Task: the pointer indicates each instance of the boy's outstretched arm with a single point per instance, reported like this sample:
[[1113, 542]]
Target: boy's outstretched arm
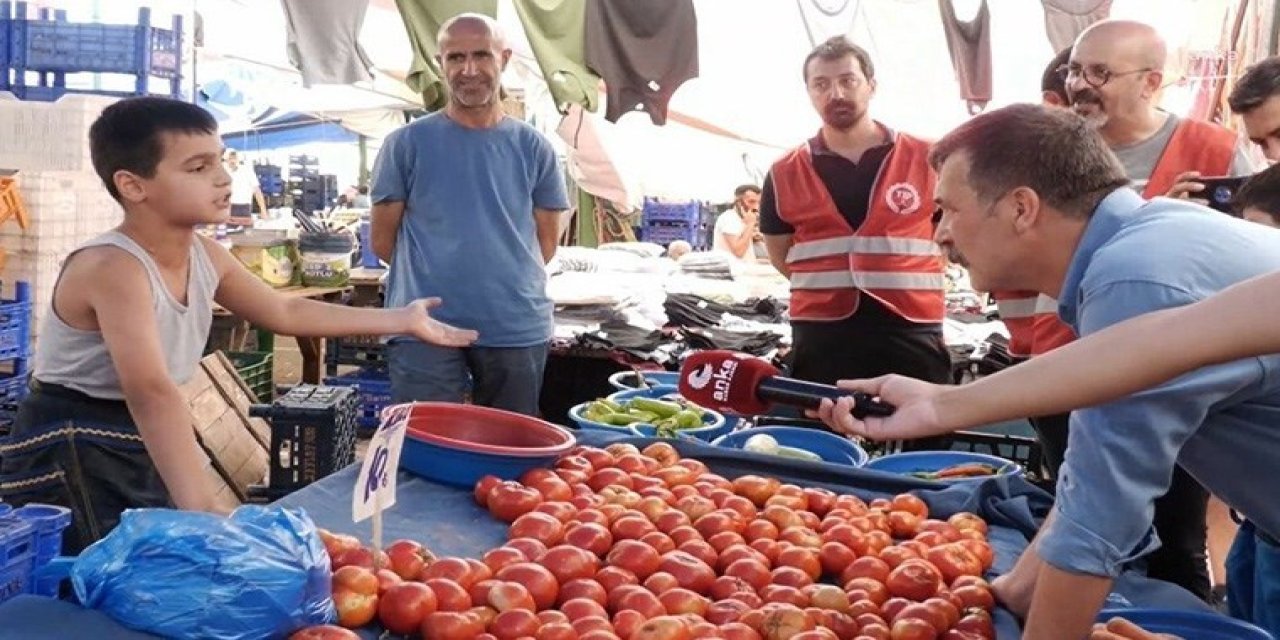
[[122, 304], [248, 297]]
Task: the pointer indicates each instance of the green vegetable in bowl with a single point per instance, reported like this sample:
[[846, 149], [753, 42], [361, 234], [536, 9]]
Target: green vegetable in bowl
[[668, 417]]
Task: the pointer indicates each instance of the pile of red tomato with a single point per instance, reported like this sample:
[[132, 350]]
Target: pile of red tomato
[[624, 544]]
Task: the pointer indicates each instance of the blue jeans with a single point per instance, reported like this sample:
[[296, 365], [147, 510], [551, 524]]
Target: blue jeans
[[502, 378], [1253, 579]]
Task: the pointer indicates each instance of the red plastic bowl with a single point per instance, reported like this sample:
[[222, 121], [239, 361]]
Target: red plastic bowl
[[484, 430]]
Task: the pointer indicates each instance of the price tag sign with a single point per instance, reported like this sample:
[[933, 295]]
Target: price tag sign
[[375, 488]]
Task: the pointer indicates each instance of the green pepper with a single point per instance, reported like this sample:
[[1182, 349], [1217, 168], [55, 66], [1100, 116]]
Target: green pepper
[[687, 419], [644, 416], [612, 404], [621, 419], [660, 408]]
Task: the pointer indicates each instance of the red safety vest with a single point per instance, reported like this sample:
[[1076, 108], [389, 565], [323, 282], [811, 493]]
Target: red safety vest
[[891, 256], [1032, 320], [1195, 146]]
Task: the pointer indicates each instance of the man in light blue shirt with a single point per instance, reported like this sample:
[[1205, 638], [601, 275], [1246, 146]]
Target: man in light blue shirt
[[466, 208], [1033, 200]]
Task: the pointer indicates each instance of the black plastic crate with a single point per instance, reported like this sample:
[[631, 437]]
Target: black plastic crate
[[360, 351], [313, 434]]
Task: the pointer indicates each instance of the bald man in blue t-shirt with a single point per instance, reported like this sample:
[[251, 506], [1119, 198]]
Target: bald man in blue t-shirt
[[466, 207]]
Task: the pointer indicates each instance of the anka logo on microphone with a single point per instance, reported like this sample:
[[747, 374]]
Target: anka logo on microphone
[[719, 378]]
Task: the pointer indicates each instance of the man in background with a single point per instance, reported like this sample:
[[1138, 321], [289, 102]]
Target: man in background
[[1256, 99], [737, 227], [848, 217], [245, 191], [1114, 79], [467, 206]]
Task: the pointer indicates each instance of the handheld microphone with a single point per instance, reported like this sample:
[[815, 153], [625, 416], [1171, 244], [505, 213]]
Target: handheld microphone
[[735, 382]]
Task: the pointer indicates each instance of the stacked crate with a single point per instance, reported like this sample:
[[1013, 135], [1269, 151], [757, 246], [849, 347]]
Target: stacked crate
[[47, 144], [311, 190], [15, 352], [665, 222], [44, 49]]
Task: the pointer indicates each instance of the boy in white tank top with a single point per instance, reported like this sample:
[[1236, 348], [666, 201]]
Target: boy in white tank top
[[105, 427]]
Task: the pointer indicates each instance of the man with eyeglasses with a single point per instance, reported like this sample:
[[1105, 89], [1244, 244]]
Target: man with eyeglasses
[[848, 217], [1256, 99], [1113, 79]]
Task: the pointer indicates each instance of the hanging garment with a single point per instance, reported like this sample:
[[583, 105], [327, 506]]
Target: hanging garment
[[644, 50], [825, 19], [557, 33], [422, 19], [970, 46], [1065, 19], [324, 40]]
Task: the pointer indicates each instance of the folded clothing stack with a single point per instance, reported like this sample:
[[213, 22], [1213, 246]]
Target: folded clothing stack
[[707, 264]]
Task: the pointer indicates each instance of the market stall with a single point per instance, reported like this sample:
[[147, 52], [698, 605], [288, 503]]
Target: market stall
[[448, 521]]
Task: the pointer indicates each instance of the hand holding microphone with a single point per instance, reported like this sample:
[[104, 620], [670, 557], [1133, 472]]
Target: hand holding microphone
[[728, 381]]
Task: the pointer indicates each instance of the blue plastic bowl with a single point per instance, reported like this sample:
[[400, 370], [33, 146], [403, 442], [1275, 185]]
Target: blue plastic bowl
[[458, 444], [831, 447], [907, 463], [5, 509], [625, 380], [1188, 624], [714, 422]]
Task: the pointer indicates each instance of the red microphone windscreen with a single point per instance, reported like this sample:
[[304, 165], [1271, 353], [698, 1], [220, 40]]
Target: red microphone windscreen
[[725, 381]]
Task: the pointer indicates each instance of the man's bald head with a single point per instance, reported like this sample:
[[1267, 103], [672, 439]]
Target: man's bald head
[[473, 23], [1124, 42]]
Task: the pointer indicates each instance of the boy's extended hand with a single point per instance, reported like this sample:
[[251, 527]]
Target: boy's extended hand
[[432, 331]]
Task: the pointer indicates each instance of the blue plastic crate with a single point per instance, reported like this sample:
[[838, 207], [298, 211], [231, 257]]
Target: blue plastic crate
[[15, 324], [687, 213], [48, 522], [17, 557], [666, 233], [374, 387], [55, 47]]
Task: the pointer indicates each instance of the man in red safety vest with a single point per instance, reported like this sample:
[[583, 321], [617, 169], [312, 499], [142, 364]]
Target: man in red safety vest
[[848, 217]]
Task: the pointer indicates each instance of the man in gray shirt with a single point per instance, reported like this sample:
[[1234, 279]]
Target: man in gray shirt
[[1114, 76]]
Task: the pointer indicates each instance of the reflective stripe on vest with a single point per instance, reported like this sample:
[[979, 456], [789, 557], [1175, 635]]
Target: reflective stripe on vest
[[866, 280], [882, 245], [1026, 307]]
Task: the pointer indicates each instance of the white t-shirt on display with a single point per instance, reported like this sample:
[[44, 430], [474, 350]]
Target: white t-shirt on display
[[730, 223], [243, 183]]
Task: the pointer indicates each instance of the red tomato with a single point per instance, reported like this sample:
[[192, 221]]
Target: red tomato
[[540, 582], [638, 558], [509, 500], [914, 579], [954, 560], [567, 563], [324, 632], [451, 625], [543, 527]]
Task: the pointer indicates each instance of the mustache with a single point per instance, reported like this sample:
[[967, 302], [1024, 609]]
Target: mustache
[[840, 104], [1086, 96]]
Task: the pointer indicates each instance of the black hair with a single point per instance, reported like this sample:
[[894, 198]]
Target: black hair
[[839, 47], [1259, 82], [1050, 150], [1054, 77], [745, 189], [1261, 192], [128, 135]]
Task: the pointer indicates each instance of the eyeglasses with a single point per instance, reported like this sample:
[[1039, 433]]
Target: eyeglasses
[[1095, 75]]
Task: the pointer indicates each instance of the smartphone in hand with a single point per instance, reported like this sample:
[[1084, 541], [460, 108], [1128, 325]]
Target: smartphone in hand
[[1219, 191]]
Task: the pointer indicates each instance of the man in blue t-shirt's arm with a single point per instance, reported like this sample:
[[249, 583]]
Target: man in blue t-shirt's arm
[[466, 207]]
